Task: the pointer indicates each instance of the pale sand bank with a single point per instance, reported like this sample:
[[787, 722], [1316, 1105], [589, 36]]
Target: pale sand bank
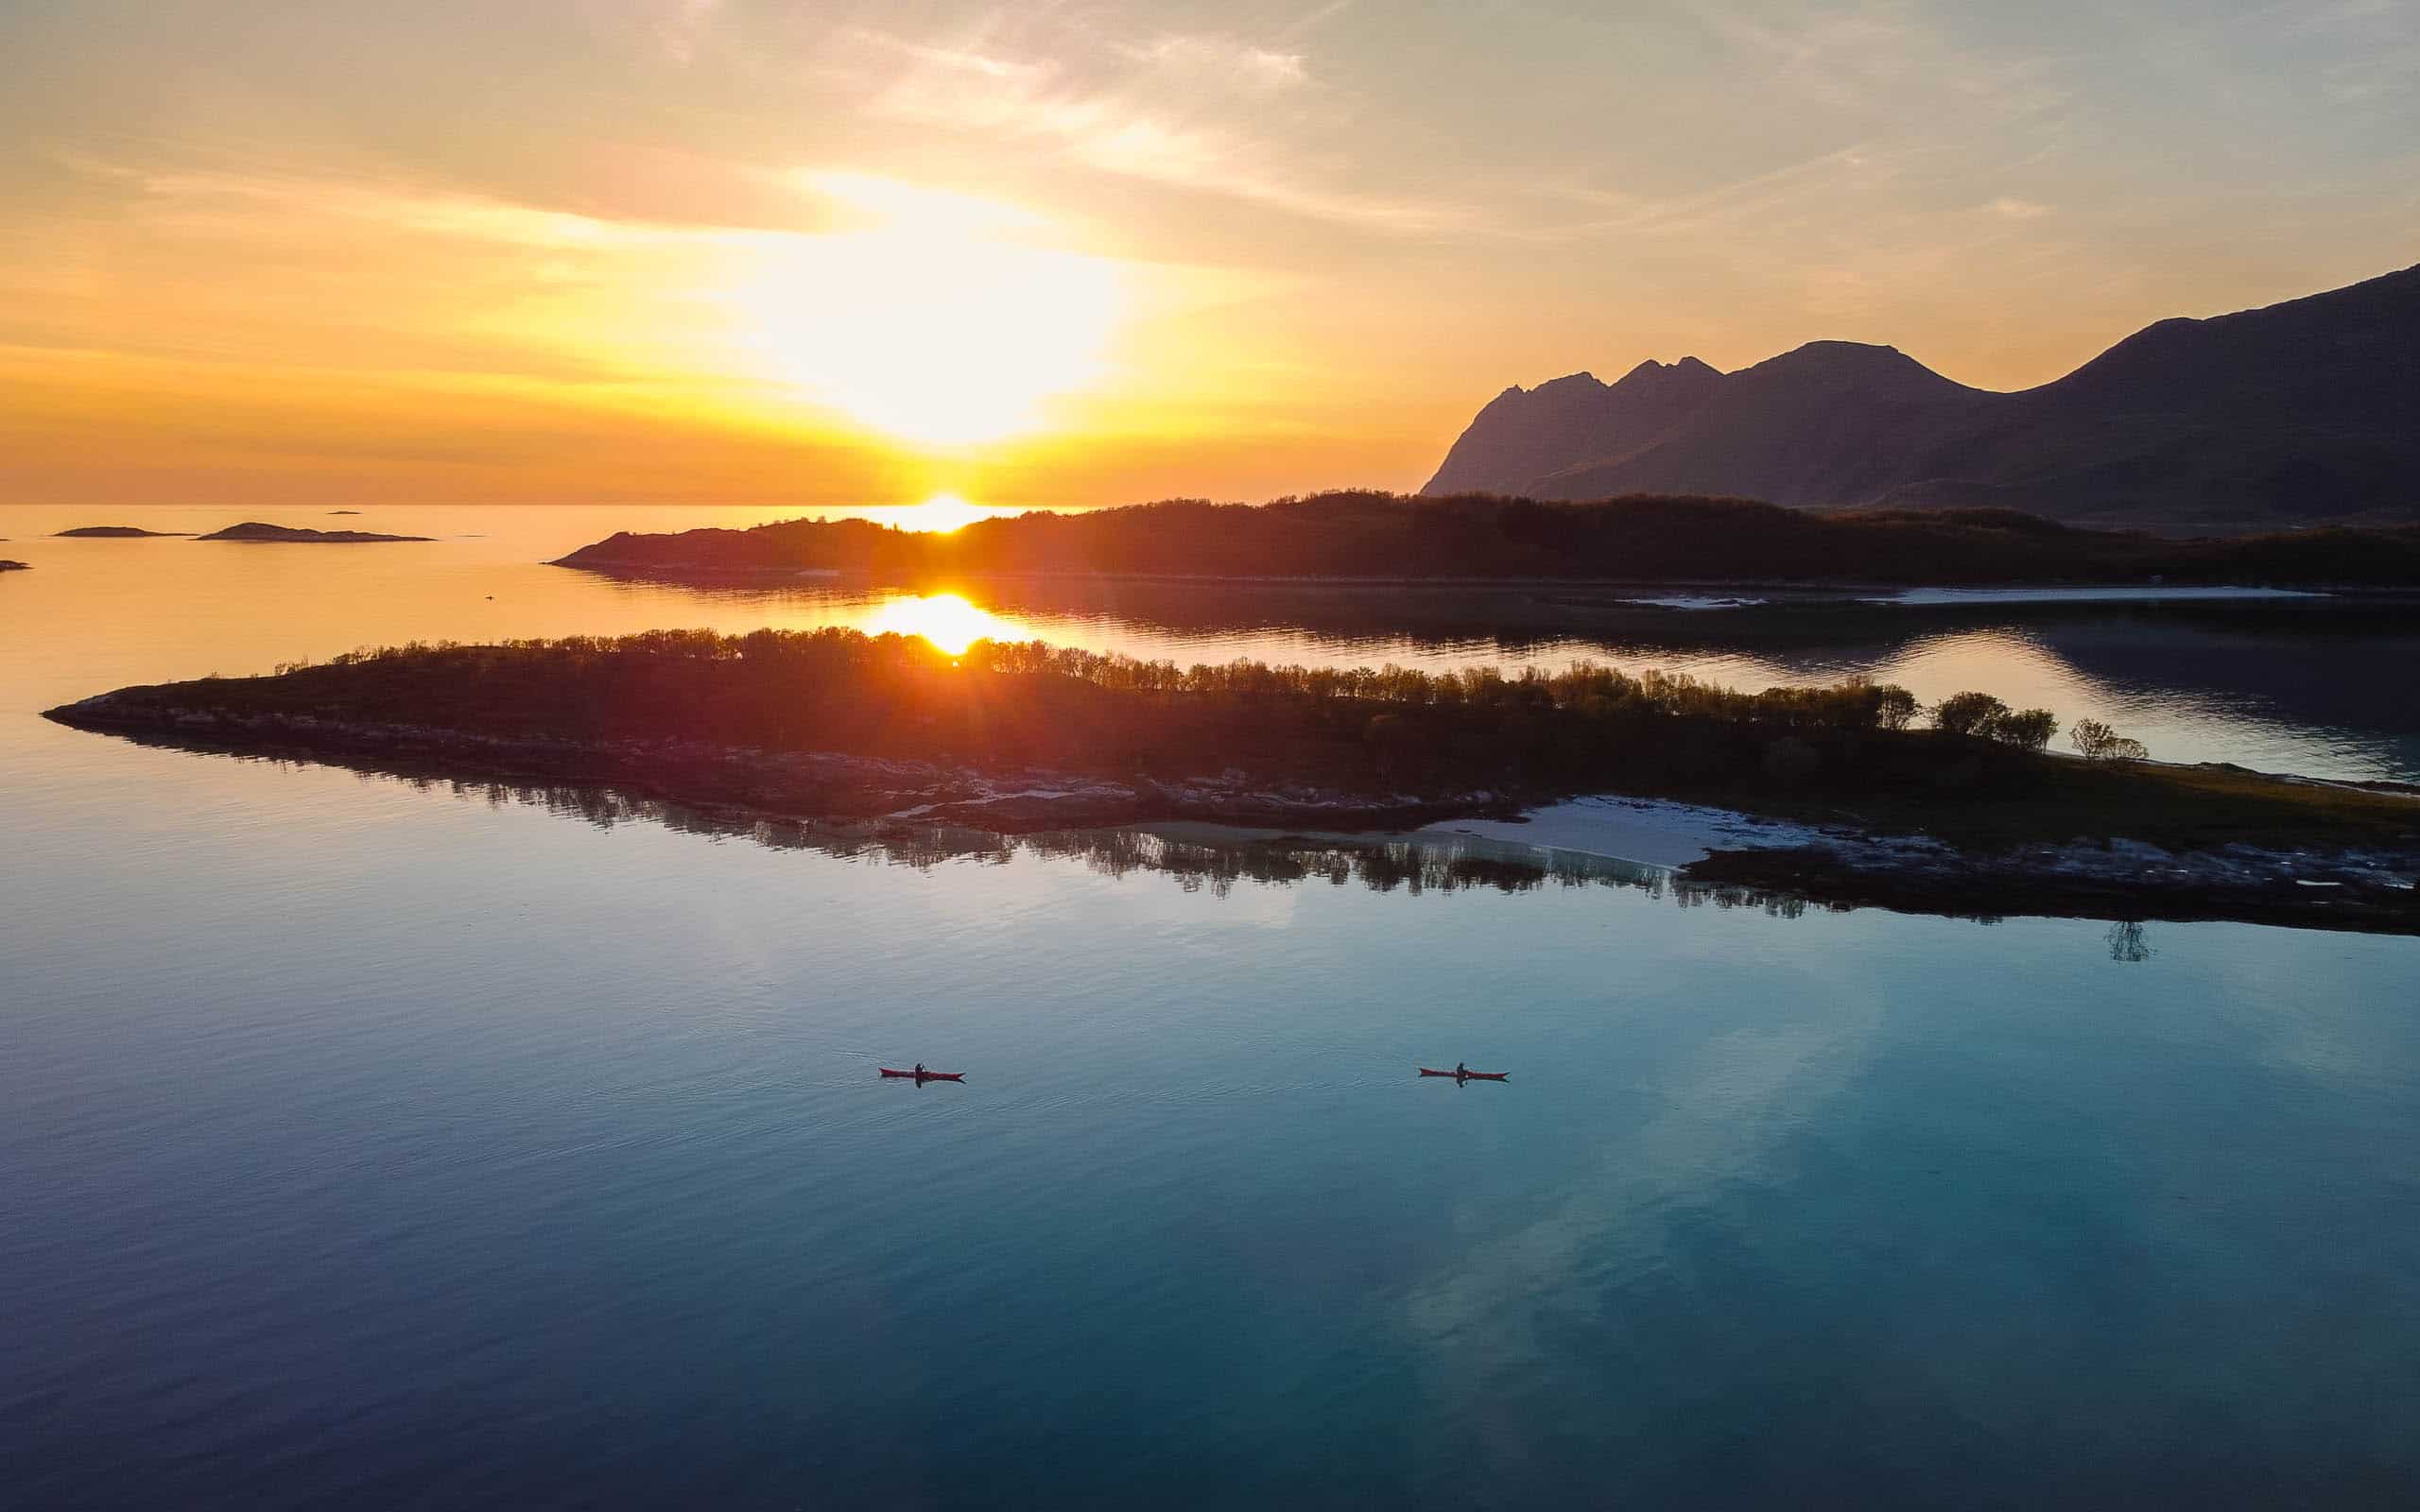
[[1649, 831]]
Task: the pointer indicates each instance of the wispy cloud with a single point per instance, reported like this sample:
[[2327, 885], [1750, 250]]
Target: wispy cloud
[[1754, 198], [1884, 60], [678, 23], [1222, 58], [1188, 111], [238, 201], [2008, 208]]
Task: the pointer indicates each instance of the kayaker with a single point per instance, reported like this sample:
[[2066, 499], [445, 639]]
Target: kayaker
[[1461, 1071], [920, 1069]]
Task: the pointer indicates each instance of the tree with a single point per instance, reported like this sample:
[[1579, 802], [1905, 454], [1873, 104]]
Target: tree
[[1969, 713], [2097, 742], [2031, 729], [1894, 706]]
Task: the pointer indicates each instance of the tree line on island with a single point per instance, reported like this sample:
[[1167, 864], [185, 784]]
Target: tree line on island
[[1366, 534], [1974, 771]]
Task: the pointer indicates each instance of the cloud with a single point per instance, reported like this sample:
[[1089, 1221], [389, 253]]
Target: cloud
[[678, 23], [1753, 198], [235, 201], [1217, 58], [2008, 208], [1881, 60], [1171, 110]]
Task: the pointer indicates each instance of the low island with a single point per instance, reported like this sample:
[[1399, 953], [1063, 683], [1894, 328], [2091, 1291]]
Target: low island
[[1645, 539], [1865, 797], [119, 533], [12, 566], [253, 530]]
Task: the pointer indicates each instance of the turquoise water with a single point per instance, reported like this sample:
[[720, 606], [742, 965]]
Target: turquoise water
[[364, 1144]]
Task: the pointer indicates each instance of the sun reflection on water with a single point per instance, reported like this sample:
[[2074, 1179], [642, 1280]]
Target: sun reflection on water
[[947, 620]]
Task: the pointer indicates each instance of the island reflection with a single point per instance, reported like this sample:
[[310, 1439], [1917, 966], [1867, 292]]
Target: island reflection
[[1198, 857], [2282, 685]]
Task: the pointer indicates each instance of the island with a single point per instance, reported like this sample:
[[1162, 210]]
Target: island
[[344, 512], [117, 533], [1859, 795], [1646, 539], [12, 566], [253, 530]]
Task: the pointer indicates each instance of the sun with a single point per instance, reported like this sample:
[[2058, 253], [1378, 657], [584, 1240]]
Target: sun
[[941, 514], [930, 324]]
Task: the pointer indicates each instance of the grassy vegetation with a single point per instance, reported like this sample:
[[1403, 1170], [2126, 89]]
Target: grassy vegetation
[[1483, 536], [1841, 753]]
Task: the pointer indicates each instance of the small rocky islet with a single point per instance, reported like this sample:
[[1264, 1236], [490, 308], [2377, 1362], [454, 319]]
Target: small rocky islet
[[255, 531], [251, 530]]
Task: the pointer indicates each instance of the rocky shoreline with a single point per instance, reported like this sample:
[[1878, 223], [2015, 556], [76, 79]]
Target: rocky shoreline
[[792, 784], [2369, 890]]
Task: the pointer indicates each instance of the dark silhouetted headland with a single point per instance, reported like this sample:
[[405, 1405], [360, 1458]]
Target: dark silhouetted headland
[[12, 567], [255, 531], [1368, 535], [2298, 414], [834, 724], [116, 532]]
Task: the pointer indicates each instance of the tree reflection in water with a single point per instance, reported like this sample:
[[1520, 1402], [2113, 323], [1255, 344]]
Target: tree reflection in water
[[1197, 856], [2126, 941]]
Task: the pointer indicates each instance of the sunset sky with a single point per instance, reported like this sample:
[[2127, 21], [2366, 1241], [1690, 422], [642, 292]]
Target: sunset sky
[[767, 252]]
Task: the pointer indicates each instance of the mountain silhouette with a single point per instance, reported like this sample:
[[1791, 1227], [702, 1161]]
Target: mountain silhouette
[[2301, 413]]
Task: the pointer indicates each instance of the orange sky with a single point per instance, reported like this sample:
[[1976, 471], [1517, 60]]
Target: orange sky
[[756, 252]]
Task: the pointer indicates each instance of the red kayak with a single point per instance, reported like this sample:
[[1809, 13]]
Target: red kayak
[[925, 1076], [1467, 1075]]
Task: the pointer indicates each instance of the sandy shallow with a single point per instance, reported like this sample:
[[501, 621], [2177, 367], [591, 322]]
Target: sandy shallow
[[1650, 832]]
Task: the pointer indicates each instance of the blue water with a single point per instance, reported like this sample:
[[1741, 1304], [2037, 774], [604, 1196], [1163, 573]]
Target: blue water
[[366, 1144]]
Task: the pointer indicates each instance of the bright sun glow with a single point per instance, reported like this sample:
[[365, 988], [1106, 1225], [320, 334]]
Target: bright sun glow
[[943, 512], [931, 325], [945, 619]]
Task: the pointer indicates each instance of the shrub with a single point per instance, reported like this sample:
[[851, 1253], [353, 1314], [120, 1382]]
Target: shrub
[[2031, 729], [2097, 742], [1969, 713]]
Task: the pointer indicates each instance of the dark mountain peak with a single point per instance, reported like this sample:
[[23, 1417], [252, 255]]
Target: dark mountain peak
[[2296, 413], [1574, 418], [1688, 371], [1855, 362], [1571, 383]]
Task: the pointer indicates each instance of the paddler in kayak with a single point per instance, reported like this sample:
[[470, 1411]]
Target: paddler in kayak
[[920, 1070], [1462, 1073]]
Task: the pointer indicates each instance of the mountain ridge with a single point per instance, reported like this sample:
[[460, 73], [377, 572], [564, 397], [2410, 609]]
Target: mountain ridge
[[2297, 413]]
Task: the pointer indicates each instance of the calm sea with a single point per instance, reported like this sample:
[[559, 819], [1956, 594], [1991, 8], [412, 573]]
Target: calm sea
[[366, 1145]]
